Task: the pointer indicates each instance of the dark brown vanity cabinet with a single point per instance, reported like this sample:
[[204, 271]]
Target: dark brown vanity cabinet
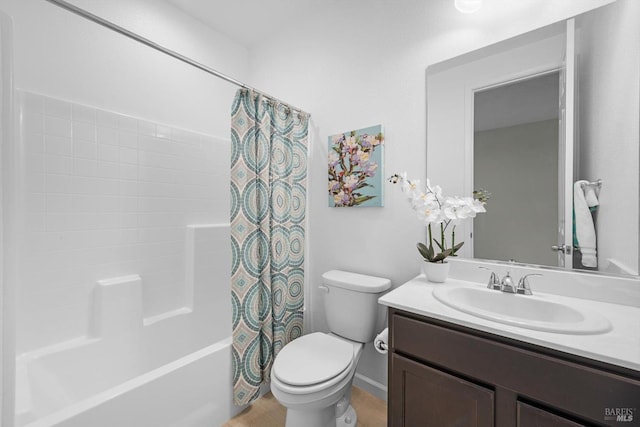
[[445, 375], [436, 398]]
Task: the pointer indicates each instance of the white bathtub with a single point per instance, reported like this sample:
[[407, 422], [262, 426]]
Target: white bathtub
[[192, 391], [170, 370]]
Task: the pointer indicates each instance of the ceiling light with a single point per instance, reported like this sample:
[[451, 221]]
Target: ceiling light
[[468, 6]]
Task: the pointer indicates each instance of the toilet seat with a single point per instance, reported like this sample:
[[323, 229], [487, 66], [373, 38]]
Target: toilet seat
[[313, 359]]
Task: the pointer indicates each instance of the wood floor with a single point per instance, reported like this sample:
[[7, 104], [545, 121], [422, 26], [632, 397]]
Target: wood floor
[[267, 412]]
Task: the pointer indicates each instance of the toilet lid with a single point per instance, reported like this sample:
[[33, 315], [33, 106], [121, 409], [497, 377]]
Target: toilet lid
[[312, 359]]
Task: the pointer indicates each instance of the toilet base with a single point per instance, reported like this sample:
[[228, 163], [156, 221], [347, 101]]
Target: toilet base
[[322, 418], [348, 419], [325, 417]]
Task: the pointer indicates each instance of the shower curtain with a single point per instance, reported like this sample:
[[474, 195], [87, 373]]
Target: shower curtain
[[268, 201]]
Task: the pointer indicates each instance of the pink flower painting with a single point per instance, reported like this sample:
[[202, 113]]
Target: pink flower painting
[[355, 168]]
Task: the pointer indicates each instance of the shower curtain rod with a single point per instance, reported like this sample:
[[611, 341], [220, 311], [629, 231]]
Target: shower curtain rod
[[118, 29]]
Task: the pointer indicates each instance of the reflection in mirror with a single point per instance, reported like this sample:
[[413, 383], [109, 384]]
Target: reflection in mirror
[[515, 149], [477, 107]]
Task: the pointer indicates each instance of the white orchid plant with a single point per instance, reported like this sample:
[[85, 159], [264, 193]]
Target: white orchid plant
[[432, 208]]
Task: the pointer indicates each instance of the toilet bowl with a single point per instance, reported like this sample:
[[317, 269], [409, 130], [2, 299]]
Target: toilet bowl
[[312, 375], [312, 378]]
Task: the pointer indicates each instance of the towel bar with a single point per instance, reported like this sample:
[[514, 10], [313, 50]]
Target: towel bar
[[596, 183]]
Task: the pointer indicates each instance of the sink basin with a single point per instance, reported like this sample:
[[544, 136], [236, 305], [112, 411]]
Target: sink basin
[[525, 311]]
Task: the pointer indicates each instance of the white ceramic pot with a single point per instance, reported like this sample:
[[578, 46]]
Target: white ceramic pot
[[436, 272]]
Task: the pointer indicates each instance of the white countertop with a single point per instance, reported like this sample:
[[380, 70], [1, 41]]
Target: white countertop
[[620, 346]]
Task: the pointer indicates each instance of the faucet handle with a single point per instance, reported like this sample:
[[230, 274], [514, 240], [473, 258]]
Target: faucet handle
[[493, 283], [523, 284]]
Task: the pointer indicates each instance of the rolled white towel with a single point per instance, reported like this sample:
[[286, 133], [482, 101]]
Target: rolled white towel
[[381, 343], [585, 229], [590, 196]]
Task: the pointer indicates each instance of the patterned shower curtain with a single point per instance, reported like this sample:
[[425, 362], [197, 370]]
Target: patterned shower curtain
[[268, 201]]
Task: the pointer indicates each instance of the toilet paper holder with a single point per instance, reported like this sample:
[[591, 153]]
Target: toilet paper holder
[[381, 342]]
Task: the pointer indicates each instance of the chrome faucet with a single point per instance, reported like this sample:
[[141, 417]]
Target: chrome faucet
[[506, 284], [523, 284]]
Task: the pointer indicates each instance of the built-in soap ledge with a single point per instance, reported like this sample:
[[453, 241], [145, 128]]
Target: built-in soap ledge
[[117, 306], [166, 315]]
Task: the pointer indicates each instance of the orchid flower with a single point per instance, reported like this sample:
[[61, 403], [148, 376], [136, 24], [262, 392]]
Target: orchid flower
[[432, 207]]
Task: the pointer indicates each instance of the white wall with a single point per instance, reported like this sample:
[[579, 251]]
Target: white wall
[[116, 161], [608, 130], [359, 63], [62, 55]]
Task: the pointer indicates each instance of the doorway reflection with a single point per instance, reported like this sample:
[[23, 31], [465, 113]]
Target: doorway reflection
[[516, 155]]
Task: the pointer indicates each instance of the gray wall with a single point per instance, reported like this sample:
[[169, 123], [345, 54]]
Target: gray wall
[[608, 67], [518, 165]]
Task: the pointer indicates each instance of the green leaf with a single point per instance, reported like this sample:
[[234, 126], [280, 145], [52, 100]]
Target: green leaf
[[424, 251], [362, 185], [454, 250], [442, 255], [363, 199]]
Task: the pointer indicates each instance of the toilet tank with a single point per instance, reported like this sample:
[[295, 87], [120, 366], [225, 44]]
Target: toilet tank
[[351, 303]]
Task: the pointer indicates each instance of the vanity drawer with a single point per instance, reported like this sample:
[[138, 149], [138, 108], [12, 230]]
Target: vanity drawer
[[574, 389], [530, 416]]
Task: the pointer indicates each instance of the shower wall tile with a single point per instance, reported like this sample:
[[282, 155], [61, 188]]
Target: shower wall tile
[[83, 130], [34, 142], [55, 183], [86, 150], [108, 153], [84, 167], [57, 145], [128, 139], [33, 122], [108, 169], [55, 126], [82, 114], [107, 195], [56, 108], [54, 163], [107, 118], [107, 136]]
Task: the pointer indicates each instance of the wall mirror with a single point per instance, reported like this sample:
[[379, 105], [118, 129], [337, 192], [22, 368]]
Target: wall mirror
[[535, 120]]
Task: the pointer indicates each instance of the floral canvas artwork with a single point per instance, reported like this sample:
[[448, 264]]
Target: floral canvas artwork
[[355, 168]]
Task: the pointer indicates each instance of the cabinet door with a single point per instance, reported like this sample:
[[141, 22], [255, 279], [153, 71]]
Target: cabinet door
[[426, 397], [530, 416]]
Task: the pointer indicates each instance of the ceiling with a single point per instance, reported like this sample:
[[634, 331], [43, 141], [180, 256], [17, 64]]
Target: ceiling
[[249, 22], [218, 14]]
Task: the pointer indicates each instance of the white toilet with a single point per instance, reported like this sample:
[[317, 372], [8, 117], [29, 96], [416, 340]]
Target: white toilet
[[312, 375]]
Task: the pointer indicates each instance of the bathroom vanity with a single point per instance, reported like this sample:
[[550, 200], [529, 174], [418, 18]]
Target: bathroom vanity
[[451, 368]]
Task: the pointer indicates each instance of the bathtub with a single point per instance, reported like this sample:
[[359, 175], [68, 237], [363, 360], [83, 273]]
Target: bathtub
[[171, 370], [192, 391]]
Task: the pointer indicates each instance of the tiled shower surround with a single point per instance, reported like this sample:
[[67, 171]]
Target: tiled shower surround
[[107, 195]]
